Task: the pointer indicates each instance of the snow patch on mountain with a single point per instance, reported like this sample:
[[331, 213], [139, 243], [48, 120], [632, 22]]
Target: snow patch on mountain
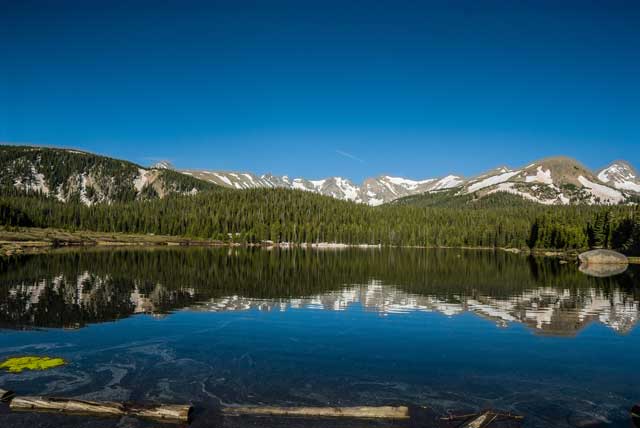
[[541, 176], [346, 188], [492, 180], [602, 193], [560, 199], [141, 180], [223, 179], [406, 183], [163, 164], [448, 182]]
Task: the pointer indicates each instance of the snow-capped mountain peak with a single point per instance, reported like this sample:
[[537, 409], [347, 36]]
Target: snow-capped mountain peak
[[163, 164], [550, 181], [373, 191], [620, 175]]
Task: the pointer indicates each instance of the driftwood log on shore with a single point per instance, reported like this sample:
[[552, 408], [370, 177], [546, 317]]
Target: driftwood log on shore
[[166, 413], [383, 412]]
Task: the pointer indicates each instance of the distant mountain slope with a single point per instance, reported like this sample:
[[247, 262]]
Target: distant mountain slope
[[71, 174], [551, 181], [75, 175], [374, 191]]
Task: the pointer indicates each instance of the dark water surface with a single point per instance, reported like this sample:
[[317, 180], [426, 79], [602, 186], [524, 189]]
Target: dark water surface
[[449, 329]]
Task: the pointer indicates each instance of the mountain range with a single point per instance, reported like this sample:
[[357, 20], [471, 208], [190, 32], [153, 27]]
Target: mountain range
[[550, 181], [76, 175]]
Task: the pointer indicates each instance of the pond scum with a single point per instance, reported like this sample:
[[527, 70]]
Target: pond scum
[[18, 364]]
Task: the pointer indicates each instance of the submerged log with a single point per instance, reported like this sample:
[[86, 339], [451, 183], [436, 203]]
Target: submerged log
[[384, 412], [165, 413], [6, 395], [481, 421], [65, 405]]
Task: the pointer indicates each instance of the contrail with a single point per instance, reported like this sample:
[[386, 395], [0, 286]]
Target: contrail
[[349, 155]]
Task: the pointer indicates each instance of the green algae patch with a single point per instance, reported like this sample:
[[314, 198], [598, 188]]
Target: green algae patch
[[18, 364]]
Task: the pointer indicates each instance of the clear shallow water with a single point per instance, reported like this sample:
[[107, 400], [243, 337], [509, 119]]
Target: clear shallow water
[[452, 330]]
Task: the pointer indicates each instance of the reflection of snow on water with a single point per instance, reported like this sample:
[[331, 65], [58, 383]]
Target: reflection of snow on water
[[549, 310], [545, 309], [234, 349]]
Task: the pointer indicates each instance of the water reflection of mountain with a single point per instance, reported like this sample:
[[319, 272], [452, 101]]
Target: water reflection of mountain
[[547, 310], [75, 288]]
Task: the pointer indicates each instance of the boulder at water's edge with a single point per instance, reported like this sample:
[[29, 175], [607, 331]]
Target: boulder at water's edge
[[603, 263], [606, 257]]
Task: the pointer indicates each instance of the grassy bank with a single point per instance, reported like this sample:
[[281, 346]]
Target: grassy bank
[[29, 240], [37, 240]]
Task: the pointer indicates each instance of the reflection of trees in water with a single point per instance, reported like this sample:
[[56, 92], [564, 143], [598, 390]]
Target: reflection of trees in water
[[74, 288]]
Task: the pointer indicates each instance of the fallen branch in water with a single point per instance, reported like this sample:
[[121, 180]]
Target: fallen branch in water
[[166, 413], [6, 395], [482, 420], [384, 412]]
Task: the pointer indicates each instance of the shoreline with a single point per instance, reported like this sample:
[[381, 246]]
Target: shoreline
[[15, 241]]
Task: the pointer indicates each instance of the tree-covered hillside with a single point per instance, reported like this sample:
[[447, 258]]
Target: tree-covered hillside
[[71, 175], [282, 215]]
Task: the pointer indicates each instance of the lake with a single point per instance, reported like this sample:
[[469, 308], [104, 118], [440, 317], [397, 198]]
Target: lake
[[454, 330]]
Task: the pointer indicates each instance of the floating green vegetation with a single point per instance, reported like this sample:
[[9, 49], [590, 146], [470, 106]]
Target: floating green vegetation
[[18, 364]]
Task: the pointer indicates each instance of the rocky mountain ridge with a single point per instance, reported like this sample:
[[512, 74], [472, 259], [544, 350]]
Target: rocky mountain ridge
[[373, 191], [550, 181], [76, 175]]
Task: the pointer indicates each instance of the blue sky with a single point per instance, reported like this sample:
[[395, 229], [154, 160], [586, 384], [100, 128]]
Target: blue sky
[[355, 88]]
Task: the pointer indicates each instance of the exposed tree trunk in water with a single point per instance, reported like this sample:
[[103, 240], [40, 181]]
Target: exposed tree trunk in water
[[166, 413], [384, 412], [481, 421], [6, 395], [635, 415], [64, 405]]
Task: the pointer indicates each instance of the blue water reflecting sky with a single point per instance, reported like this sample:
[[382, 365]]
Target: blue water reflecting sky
[[354, 356]]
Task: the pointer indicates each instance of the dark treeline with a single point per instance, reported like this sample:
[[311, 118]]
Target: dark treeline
[[280, 215], [79, 287]]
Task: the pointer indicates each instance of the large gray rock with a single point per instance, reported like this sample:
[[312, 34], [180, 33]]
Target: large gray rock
[[603, 257], [603, 263]]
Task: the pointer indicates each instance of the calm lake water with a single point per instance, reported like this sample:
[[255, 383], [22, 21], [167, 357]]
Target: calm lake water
[[449, 329]]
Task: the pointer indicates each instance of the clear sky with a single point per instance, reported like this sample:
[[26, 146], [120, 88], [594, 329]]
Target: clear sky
[[306, 88]]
